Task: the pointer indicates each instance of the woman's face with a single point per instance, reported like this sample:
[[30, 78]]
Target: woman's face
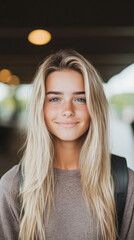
[[63, 105]]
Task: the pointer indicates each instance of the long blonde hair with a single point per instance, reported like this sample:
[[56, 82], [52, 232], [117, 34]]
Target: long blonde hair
[[94, 161]]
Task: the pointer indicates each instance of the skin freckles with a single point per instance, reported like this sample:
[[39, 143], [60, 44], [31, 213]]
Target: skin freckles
[[66, 107]]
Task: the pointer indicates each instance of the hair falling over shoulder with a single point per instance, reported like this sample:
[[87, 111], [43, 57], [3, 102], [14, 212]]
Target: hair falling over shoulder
[[94, 161]]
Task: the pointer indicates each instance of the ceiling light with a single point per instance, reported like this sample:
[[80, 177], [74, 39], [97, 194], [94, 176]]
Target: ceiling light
[[13, 80], [4, 75], [39, 37]]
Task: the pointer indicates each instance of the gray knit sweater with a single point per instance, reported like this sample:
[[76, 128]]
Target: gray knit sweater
[[70, 220]]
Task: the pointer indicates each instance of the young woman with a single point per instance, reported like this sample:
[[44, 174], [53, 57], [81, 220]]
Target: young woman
[[68, 190]]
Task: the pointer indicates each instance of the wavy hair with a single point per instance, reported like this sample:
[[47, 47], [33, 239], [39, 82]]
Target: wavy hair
[[94, 161]]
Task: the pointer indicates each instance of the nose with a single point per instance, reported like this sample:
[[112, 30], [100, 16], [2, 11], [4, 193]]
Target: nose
[[68, 114], [68, 110]]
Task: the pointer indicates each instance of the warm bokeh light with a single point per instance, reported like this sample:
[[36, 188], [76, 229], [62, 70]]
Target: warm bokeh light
[[39, 37], [13, 80], [4, 75]]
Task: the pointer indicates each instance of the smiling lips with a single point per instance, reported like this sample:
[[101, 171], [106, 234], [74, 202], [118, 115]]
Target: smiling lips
[[68, 125]]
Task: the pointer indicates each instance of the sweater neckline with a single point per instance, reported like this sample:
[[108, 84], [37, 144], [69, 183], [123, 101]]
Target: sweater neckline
[[67, 172]]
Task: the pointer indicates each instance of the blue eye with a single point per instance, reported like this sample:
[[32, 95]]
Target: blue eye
[[53, 99], [83, 100]]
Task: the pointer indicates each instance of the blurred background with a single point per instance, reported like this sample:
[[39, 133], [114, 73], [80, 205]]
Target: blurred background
[[103, 31]]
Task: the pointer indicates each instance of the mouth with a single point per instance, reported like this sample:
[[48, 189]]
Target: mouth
[[67, 125]]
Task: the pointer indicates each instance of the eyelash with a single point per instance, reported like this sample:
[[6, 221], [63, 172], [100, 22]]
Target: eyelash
[[58, 98]]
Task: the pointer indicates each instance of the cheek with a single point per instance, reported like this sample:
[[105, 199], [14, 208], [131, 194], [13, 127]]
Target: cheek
[[84, 114], [49, 113]]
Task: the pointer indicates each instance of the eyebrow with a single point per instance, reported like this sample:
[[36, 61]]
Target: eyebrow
[[61, 93]]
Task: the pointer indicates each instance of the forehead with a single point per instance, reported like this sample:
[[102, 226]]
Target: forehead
[[67, 80]]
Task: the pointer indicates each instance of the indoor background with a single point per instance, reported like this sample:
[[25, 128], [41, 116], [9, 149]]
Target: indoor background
[[103, 31]]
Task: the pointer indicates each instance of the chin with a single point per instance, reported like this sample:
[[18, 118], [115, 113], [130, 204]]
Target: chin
[[68, 138]]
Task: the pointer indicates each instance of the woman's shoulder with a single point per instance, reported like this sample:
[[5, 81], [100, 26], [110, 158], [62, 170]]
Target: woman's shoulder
[[131, 172], [130, 181], [127, 230], [10, 180], [9, 204]]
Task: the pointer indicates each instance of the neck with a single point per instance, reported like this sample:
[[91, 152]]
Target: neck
[[67, 154]]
